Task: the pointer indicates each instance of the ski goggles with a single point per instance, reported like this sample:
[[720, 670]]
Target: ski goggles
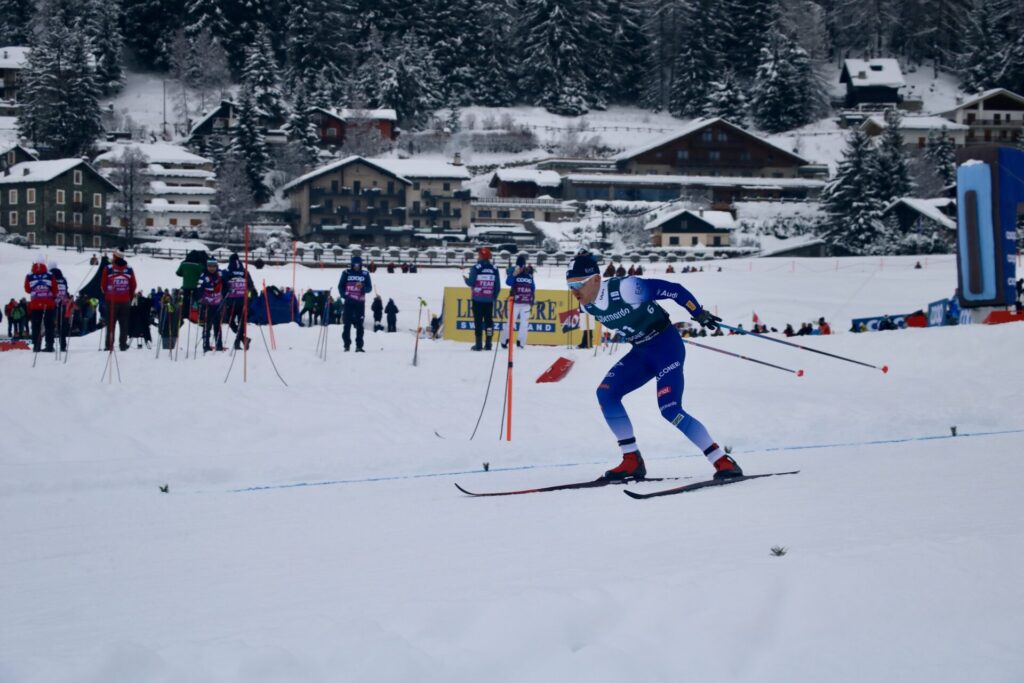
[[577, 284]]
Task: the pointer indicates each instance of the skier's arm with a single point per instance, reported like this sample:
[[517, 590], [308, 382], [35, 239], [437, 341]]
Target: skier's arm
[[470, 279], [369, 284], [646, 289]]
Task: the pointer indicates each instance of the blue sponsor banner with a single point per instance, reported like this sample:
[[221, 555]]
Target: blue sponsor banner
[[500, 325], [871, 324], [938, 313]]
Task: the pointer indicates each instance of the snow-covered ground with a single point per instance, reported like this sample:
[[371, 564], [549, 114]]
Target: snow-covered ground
[[357, 560]]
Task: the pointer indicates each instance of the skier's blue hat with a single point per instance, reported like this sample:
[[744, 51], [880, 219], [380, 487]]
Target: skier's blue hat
[[583, 265], [357, 261]]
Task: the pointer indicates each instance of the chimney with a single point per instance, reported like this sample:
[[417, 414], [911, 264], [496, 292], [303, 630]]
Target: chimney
[[862, 75], [24, 171], [457, 159], [5, 54]]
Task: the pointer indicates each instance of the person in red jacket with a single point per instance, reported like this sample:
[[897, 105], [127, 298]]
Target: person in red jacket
[[42, 287], [117, 282]]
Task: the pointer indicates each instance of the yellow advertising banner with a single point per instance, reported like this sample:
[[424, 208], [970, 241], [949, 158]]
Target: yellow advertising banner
[[555, 318]]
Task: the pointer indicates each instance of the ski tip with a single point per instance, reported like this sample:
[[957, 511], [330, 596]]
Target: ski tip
[[633, 494], [799, 373], [464, 490], [885, 369]]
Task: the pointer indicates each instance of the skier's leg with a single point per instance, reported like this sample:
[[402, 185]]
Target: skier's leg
[[626, 376], [524, 324]]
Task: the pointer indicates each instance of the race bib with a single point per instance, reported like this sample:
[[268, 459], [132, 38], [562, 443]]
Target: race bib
[[236, 288], [354, 290], [483, 288]]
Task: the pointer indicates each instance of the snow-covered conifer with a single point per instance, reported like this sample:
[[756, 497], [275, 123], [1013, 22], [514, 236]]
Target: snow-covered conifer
[[16, 18], [248, 142], [891, 171], [726, 98], [852, 207], [553, 64], [260, 74]]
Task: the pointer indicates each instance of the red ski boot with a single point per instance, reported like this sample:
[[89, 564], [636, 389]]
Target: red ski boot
[[726, 468], [631, 467]]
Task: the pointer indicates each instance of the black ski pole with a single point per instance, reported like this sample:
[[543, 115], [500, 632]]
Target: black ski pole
[[740, 330], [798, 373]]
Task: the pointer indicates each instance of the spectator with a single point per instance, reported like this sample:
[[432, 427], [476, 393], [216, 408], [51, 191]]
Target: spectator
[[372, 268], [170, 319], [413, 268], [610, 270], [670, 269], [789, 331], [63, 308], [211, 297], [620, 271], [485, 285], [94, 261], [520, 279], [391, 311], [405, 267], [8, 311], [824, 327], [21, 316], [354, 285], [308, 306], [42, 287], [391, 267], [117, 282], [138, 320], [639, 270], [917, 266], [237, 283], [435, 326], [631, 272], [378, 312], [886, 324], [190, 271]]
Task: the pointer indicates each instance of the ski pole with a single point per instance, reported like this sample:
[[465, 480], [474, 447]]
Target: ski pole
[[884, 368], [798, 373]]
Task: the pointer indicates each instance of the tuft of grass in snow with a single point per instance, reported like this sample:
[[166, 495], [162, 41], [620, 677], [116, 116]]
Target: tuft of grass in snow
[[778, 551]]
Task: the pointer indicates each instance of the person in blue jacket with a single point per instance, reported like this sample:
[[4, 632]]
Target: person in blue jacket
[[354, 285], [484, 282], [629, 306], [237, 283], [520, 279]]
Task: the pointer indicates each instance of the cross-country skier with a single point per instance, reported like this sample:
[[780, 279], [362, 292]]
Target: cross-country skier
[[43, 288], [210, 290], [629, 306], [354, 285], [237, 282], [520, 279], [63, 310], [485, 285]]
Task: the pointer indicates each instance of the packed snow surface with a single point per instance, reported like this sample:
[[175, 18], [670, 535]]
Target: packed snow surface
[[313, 533]]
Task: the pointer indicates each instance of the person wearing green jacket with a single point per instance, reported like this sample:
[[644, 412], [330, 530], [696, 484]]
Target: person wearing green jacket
[[189, 271]]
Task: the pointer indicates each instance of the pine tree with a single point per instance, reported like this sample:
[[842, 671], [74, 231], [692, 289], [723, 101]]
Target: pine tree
[[984, 62], [302, 131], [628, 49], [697, 62], [400, 74], [248, 143], [726, 99], [60, 110], [16, 18], [752, 20], [260, 75], [666, 26], [852, 209], [316, 39], [107, 48], [891, 172], [494, 73], [553, 49], [941, 152], [234, 23], [149, 27], [786, 88]]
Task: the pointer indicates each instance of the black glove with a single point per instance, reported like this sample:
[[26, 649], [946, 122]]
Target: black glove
[[707, 320]]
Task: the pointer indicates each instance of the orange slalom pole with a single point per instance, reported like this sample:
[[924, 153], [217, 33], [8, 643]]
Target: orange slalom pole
[[511, 348], [270, 321]]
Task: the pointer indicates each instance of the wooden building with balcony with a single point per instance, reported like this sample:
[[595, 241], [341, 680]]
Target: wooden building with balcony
[[59, 202], [994, 116]]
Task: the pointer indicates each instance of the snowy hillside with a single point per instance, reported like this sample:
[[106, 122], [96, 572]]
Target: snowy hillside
[[356, 559]]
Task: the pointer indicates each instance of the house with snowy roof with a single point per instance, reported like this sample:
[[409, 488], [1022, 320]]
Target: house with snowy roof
[[15, 154], [526, 183], [872, 82], [381, 201], [58, 202], [996, 115], [915, 130], [13, 61], [181, 185], [334, 124], [714, 147], [917, 215], [692, 228], [218, 123]]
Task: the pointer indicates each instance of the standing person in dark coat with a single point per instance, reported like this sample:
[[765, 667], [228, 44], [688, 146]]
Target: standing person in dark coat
[[391, 311], [42, 287], [138, 320], [484, 282], [8, 309], [378, 311], [211, 297], [117, 282], [237, 283], [64, 308], [354, 285]]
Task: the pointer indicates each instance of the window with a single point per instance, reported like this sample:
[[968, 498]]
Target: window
[[446, 224], [483, 213], [77, 218], [718, 241], [682, 154], [61, 196], [172, 221], [60, 218], [356, 187], [706, 136], [30, 217], [97, 220], [194, 222], [503, 214], [332, 132], [745, 155], [416, 185], [416, 223], [446, 187], [11, 158], [97, 200], [527, 214], [77, 240], [30, 195], [97, 241], [59, 239], [694, 241], [714, 155], [76, 197], [391, 187], [78, 177], [722, 137], [12, 218], [149, 222], [921, 142], [31, 237], [12, 197], [673, 241]]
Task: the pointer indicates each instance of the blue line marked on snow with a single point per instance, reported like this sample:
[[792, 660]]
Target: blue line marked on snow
[[771, 449]]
